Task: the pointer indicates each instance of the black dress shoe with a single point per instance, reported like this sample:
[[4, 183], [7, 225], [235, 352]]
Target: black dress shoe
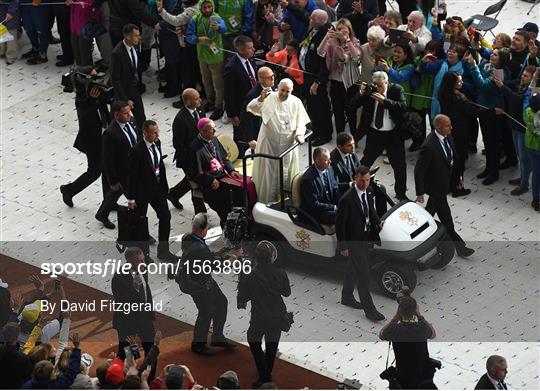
[[374, 315], [482, 175], [490, 179], [176, 203], [352, 302], [515, 181], [106, 222], [63, 63], [178, 104], [66, 197], [30, 54], [464, 251], [39, 59], [224, 343], [203, 350], [461, 192], [519, 190], [320, 141], [217, 114], [507, 164]]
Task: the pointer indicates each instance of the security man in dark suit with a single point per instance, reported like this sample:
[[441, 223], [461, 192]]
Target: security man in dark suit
[[239, 76], [93, 115], [345, 162], [184, 131], [147, 184], [208, 297], [318, 103], [433, 173], [381, 114], [319, 189], [357, 227], [493, 379], [126, 72], [118, 138], [133, 288]]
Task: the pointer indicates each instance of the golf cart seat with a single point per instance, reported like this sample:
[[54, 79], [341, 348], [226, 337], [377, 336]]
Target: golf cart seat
[[301, 217], [232, 150]]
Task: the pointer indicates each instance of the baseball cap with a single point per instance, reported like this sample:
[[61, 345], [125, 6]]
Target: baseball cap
[[175, 378], [87, 360], [31, 312], [115, 373], [530, 27]]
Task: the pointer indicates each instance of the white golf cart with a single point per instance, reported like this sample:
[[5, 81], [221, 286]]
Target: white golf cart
[[411, 238]]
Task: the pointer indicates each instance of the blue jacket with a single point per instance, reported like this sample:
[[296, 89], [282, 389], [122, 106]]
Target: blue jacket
[[489, 94], [64, 381], [298, 18]]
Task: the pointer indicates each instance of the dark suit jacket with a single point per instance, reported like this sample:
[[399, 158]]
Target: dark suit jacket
[[351, 221], [200, 158], [395, 102], [124, 292], [484, 383], [312, 191], [237, 85], [250, 124], [115, 153], [126, 83], [184, 131], [432, 172], [313, 62], [91, 124], [142, 184], [340, 169]]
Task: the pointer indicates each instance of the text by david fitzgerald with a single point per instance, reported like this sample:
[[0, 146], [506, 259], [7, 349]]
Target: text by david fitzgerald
[[103, 305]]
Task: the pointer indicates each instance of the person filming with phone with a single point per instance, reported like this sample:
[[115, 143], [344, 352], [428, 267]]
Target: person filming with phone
[[409, 331]]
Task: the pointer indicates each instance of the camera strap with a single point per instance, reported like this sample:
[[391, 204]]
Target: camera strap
[[388, 355]]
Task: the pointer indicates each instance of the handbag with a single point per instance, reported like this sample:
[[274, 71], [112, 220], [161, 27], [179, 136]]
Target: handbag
[[287, 319], [411, 125], [92, 29], [351, 73]]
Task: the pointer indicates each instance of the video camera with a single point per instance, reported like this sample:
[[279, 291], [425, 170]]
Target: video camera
[[82, 82]]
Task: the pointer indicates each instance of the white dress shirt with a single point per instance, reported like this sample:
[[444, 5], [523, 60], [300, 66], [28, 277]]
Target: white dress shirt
[[131, 130], [128, 48], [387, 124]]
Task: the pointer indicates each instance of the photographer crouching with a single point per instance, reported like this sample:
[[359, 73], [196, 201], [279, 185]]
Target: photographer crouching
[[409, 331], [91, 99]]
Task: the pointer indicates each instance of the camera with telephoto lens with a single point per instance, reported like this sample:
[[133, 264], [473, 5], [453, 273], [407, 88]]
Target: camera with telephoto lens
[[405, 291], [83, 83]]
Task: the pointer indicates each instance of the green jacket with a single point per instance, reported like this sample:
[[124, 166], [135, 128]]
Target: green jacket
[[199, 26], [425, 88], [231, 10], [532, 133]]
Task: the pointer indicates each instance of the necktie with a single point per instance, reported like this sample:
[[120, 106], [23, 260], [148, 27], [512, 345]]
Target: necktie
[[195, 116], [350, 165], [155, 155], [448, 150], [365, 207], [379, 115], [132, 139], [250, 74], [500, 385], [133, 61]]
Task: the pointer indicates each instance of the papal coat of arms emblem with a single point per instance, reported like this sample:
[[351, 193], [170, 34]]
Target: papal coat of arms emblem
[[304, 237], [408, 216]]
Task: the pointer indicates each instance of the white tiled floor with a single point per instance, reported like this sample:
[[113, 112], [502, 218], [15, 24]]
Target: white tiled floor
[[39, 125]]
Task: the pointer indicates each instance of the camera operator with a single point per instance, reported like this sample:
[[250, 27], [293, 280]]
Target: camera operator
[[409, 331], [93, 115], [264, 287]]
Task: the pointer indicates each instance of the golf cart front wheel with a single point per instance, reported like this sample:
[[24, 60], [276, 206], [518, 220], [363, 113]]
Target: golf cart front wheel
[[446, 251], [392, 277]]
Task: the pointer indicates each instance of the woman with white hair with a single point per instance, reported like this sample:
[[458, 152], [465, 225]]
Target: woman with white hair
[[284, 122], [372, 51]]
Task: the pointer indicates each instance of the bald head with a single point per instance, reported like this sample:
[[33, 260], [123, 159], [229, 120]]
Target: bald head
[[191, 98], [442, 124], [266, 77], [318, 18]]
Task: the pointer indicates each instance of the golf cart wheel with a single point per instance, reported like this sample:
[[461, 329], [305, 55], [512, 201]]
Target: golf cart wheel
[[392, 277], [446, 251], [277, 248]]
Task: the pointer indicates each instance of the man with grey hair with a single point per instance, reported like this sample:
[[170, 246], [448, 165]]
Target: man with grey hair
[[383, 107], [316, 78], [493, 379], [319, 188], [417, 34]]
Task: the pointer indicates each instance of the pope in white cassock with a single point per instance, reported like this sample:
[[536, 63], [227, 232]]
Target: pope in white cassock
[[284, 121]]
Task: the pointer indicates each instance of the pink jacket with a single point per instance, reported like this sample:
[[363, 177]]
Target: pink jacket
[[80, 15]]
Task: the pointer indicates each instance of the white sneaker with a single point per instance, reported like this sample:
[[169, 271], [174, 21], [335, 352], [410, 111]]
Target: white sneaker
[[225, 120]]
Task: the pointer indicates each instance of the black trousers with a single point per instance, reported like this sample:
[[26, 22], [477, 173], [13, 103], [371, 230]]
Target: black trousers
[[357, 273], [93, 171], [492, 126], [264, 361], [110, 199], [62, 14], [138, 109], [461, 140], [191, 74], [340, 97], [146, 332], [212, 307], [223, 199], [181, 188], [439, 204], [376, 142], [326, 217], [318, 109], [158, 202]]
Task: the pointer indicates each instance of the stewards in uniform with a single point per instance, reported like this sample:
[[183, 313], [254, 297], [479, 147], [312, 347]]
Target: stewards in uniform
[[207, 296], [357, 227], [265, 287], [147, 184], [433, 173], [133, 288]]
